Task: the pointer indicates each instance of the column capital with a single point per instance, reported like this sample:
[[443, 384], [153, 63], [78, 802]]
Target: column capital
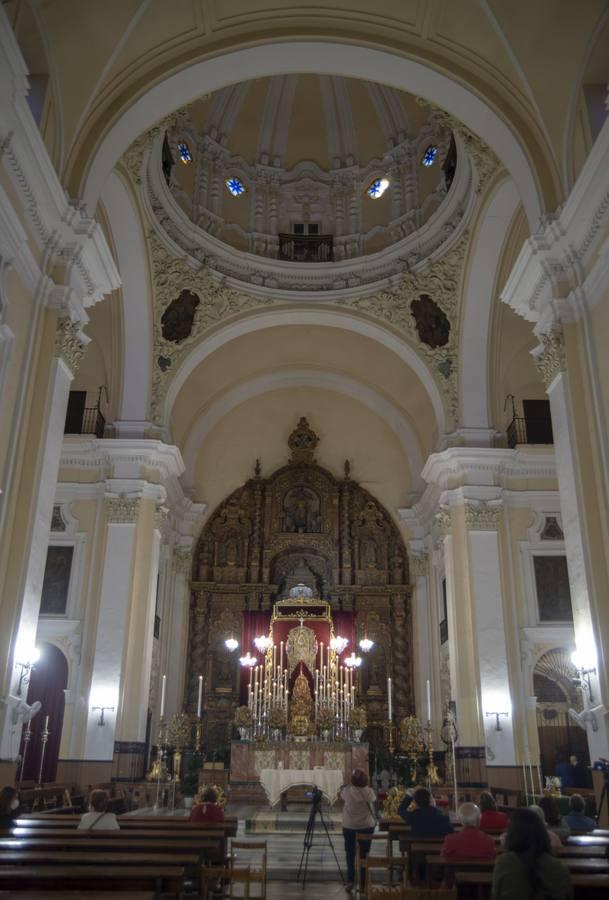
[[70, 343], [443, 520], [482, 515], [550, 357], [182, 560], [122, 510], [419, 564]]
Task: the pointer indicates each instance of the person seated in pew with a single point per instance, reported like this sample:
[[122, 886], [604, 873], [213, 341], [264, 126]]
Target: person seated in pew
[[555, 841], [207, 808], [9, 807], [527, 870], [424, 818], [470, 841], [554, 820], [490, 816], [576, 818], [98, 819]]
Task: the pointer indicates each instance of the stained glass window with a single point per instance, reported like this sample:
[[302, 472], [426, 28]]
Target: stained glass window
[[429, 157], [235, 186], [184, 151], [377, 188]]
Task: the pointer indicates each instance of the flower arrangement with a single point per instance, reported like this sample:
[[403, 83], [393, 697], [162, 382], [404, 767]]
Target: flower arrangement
[[243, 717], [277, 717], [179, 731], [357, 717], [325, 718], [392, 800], [221, 801], [553, 786], [411, 736]]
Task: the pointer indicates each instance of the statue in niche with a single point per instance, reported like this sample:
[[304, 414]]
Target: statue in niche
[[232, 553], [178, 318], [397, 567], [432, 323], [223, 678], [301, 512], [369, 554]]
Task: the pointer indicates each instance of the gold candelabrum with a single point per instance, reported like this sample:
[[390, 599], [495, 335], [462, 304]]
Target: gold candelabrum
[[391, 736], [44, 737], [432, 772], [198, 733]]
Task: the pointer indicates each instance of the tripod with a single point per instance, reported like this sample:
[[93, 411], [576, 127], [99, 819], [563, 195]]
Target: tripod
[[310, 834]]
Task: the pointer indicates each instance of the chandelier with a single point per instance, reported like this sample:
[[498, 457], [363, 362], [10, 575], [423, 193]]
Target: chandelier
[[353, 661], [231, 644], [366, 645], [263, 643], [248, 660], [338, 644]]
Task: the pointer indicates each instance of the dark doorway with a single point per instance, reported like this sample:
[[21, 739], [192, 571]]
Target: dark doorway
[[48, 682]]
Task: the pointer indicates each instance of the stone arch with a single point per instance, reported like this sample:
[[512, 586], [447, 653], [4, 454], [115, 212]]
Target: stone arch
[[350, 60]]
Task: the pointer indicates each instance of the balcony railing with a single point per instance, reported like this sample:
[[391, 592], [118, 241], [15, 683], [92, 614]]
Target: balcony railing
[[529, 431], [314, 248]]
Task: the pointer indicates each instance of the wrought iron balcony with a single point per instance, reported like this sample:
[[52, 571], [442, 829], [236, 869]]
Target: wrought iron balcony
[[529, 430], [313, 248]]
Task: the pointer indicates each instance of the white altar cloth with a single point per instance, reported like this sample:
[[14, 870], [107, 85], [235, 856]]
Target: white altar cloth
[[275, 781]]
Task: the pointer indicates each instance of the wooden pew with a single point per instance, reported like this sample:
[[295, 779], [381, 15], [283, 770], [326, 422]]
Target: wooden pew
[[229, 825], [161, 879], [586, 887], [79, 857], [77, 895], [208, 851], [450, 865]]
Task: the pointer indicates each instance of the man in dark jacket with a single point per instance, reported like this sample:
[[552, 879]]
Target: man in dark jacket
[[425, 820]]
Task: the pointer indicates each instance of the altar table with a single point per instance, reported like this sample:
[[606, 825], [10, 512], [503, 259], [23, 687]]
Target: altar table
[[276, 781]]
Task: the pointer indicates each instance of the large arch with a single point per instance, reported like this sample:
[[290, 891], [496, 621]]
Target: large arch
[[474, 348], [307, 56], [324, 317], [284, 380]]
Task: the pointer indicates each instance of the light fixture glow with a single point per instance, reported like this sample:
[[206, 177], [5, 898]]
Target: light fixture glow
[[353, 661], [185, 154], [235, 186], [366, 645], [338, 643], [377, 188], [231, 644], [248, 660], [262, 643], [429, 157]]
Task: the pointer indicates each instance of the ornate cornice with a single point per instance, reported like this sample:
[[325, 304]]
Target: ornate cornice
[[70, 343], [160, 515], [443, 521], [122, 510], [482, 516], [550, 357]]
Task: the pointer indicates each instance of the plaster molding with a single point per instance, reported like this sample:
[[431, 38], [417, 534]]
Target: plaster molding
[[70, 343], [122, 510], [182, 560], [487, 466], [443, 522], [483, 516], [418, 565], [550, 356]]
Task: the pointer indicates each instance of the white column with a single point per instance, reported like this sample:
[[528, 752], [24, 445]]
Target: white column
[[175, 630], [426, 642], [482, 520], [111, 626], [551, 363]]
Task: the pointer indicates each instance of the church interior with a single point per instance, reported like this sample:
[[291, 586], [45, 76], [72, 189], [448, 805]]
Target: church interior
[[382, 233]]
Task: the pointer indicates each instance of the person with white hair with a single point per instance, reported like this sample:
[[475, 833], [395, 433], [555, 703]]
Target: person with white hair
[[470, 841]]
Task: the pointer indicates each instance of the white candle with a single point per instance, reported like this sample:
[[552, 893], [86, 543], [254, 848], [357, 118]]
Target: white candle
[[46, 724], [389, 701], [200, 698], [281, 655], [163, 689], [428, 701]]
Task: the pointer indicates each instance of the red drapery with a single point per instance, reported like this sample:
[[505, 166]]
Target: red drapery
[[257, 623], [47, 684]]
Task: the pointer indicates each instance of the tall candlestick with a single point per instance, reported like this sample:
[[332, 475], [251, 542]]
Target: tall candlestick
[[163, 689], [281, 656], [389, 700], [200, 698], [428, 701]]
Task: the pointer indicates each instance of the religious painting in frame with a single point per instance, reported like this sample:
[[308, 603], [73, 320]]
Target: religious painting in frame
[[56, 584], [552, 586]]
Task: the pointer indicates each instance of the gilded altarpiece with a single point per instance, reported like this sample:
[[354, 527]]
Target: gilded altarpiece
[[301, 525]]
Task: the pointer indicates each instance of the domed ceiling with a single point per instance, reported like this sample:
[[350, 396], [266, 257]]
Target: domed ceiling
[[360, 165]]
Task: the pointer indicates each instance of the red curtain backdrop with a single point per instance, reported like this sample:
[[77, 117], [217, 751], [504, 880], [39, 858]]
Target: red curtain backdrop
[[256, 623], [47, 684]]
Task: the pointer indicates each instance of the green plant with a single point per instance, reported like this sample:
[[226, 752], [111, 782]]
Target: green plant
[[190, 778]]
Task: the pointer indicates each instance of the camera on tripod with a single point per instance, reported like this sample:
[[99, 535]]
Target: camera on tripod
[[601, 765], [315, 796]]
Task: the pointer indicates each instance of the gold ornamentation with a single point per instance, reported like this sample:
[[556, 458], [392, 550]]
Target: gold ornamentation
[[220, 795], [325, 718], [392, 801], [302, 442], [122, 510], [277, 717], [243, 717], [550, 357], [301, 646], [482, 516], [301, 706], [69, 343], [411, 736], [179, 731], [357, 717]]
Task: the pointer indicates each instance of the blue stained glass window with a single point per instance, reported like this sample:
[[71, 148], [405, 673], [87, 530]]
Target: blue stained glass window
[[235, 186], [184, 151], [377, 188], [429, 157]]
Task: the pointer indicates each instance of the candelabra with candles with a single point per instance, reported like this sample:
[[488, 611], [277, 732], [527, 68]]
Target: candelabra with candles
[[432, 772], [27, 736], [44, 737]]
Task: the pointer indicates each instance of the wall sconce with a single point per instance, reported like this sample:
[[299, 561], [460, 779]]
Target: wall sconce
[[102, 710], [583, 674], [497, 718], [27, 667]]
